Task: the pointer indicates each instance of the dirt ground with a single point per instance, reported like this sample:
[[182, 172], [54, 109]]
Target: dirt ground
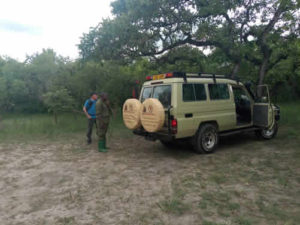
[[245, 181]]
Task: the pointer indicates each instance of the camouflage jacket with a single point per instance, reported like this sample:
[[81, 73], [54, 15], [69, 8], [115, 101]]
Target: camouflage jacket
[[103, 111]]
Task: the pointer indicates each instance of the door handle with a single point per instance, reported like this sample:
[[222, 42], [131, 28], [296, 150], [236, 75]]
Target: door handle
[[188, 115]]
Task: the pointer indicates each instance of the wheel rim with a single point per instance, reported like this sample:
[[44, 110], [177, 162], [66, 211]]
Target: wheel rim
[[268, 132], [209, 140]]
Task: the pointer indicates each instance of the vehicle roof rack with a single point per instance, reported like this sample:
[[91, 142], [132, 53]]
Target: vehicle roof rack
[[214, 76]]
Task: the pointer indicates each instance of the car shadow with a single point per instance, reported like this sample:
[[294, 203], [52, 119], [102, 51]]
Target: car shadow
[[228, 143], [178, 151], [236, 141]]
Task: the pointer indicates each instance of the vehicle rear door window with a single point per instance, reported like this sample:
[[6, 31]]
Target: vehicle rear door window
[[146, 93], [163, 94], [218, 91]]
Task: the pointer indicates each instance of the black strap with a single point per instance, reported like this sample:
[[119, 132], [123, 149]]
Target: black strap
[[184, 78], [89, 105], [214, 78]]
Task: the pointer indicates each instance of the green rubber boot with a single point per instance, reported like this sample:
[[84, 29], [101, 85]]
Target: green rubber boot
[[105, 146], [101, 146]]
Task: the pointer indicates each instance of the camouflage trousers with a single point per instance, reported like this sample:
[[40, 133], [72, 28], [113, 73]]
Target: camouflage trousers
[[102, 127]]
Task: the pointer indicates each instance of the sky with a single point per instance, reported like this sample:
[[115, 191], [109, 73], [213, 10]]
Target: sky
[[28, 26]]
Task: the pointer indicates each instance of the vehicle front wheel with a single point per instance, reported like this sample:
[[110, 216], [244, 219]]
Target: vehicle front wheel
[[206, 139], [267, 133]]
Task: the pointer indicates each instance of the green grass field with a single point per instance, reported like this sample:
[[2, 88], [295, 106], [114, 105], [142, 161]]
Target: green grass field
[[41, 126]]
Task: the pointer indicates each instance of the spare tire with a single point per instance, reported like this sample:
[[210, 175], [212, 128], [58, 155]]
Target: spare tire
[[152, 115], [131, 113]]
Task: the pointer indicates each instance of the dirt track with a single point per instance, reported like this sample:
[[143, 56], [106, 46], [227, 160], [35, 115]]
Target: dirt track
[[137, 182]]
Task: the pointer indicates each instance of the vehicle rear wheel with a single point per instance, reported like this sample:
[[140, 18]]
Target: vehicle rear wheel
[[266, 133], [206, 139]]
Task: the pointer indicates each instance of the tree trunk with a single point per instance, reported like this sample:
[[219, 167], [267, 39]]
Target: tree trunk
[[262, 71]]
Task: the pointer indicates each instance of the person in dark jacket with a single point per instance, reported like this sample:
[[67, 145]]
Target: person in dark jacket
[[89, 110]]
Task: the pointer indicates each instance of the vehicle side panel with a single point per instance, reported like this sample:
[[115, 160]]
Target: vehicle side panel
[[220, 111]]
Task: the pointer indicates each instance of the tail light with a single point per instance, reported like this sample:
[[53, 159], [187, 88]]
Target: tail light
[[174, 126], [168, 75]]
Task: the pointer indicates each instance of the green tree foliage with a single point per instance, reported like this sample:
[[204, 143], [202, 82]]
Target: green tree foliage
[[284, 76], [241, 29], [57, 101], [13, 89], [32, 86]]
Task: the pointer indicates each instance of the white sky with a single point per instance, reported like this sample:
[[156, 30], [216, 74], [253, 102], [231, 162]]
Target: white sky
[[28, 26]]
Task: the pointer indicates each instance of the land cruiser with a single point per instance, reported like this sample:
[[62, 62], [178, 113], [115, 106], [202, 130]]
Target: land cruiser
[[202, 107]]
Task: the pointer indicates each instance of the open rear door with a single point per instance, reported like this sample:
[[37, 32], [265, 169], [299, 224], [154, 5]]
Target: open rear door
[[262, 107]]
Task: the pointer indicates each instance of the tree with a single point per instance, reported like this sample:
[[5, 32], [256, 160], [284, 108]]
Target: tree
[[57, 101], [286, 73], [151, 28], [278, 22], [13, 89]]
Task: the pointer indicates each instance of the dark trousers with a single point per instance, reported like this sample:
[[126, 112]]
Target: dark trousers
[[91, 123]]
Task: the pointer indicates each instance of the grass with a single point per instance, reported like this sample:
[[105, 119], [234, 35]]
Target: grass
[[41, 126], [290, 113], [66, 221], [174, 204], [290, 119]]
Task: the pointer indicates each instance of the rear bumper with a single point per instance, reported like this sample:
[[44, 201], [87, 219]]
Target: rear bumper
[[154, 136]]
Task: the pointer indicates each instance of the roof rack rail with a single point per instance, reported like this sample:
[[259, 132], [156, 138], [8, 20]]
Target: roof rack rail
[[214, 76], [185, 75]]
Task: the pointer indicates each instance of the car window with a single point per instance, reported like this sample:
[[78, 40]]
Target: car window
[[188, 92], [193, 92], [240, 95], [200, 92], [146, 93], [163, 94], [218, 91]]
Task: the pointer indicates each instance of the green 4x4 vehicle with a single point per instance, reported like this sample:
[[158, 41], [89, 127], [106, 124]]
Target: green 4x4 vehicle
[[202, 107]]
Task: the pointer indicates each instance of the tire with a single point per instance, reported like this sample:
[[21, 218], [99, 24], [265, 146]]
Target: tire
[[267, 134], [152, 115], [131, 113], [207, 139]]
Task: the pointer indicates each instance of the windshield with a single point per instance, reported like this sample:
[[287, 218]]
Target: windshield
[[162, 93]]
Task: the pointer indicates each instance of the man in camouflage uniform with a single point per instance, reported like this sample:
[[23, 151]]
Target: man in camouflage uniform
[[103, 113]]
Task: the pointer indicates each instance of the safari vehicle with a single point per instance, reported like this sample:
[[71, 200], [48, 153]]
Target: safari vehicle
[[202, 107]]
